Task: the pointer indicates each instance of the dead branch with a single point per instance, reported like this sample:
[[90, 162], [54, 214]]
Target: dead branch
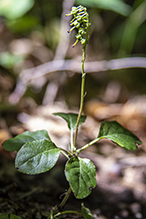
[[74, 66], [29, 75]]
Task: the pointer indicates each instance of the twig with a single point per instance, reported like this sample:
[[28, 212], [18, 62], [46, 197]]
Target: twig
[[62, 47], [73, 65], [29, 75], [60, 52]]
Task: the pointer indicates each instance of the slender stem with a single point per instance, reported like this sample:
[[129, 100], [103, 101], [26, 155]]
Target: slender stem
[[67, 154], [65, 198], [81, 107], [82, 84], [87, 145], [71, 141], [67, 212]]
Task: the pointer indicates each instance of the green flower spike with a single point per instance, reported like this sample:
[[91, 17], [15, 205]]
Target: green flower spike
[[80, 22]]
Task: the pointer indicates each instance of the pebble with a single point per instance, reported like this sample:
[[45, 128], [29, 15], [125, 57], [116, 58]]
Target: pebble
[[138, 215], [135, 207]]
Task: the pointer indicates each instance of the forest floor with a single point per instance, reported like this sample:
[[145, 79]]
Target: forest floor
[[121, 176]]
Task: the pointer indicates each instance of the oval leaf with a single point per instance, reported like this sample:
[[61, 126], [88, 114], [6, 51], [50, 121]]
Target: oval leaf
[[112, 130], [80, 172], [13, 9], [14, 144], [117, 6], [86, 212], [37, 157], [71, 119]]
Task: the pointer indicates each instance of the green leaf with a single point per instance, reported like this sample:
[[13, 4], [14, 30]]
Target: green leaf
[[134, 21], [37, 157], [13, 9], [80, 173], [14, 144], [117, 6], [112, 130], [71, 119], [23, 24], [86, 212], [8, 60], [8, 216]]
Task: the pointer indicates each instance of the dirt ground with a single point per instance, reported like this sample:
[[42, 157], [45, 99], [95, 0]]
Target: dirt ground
[[119, 194]]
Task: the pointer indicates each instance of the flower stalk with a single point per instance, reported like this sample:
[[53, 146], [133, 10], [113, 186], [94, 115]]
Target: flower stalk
[[80, 22]]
